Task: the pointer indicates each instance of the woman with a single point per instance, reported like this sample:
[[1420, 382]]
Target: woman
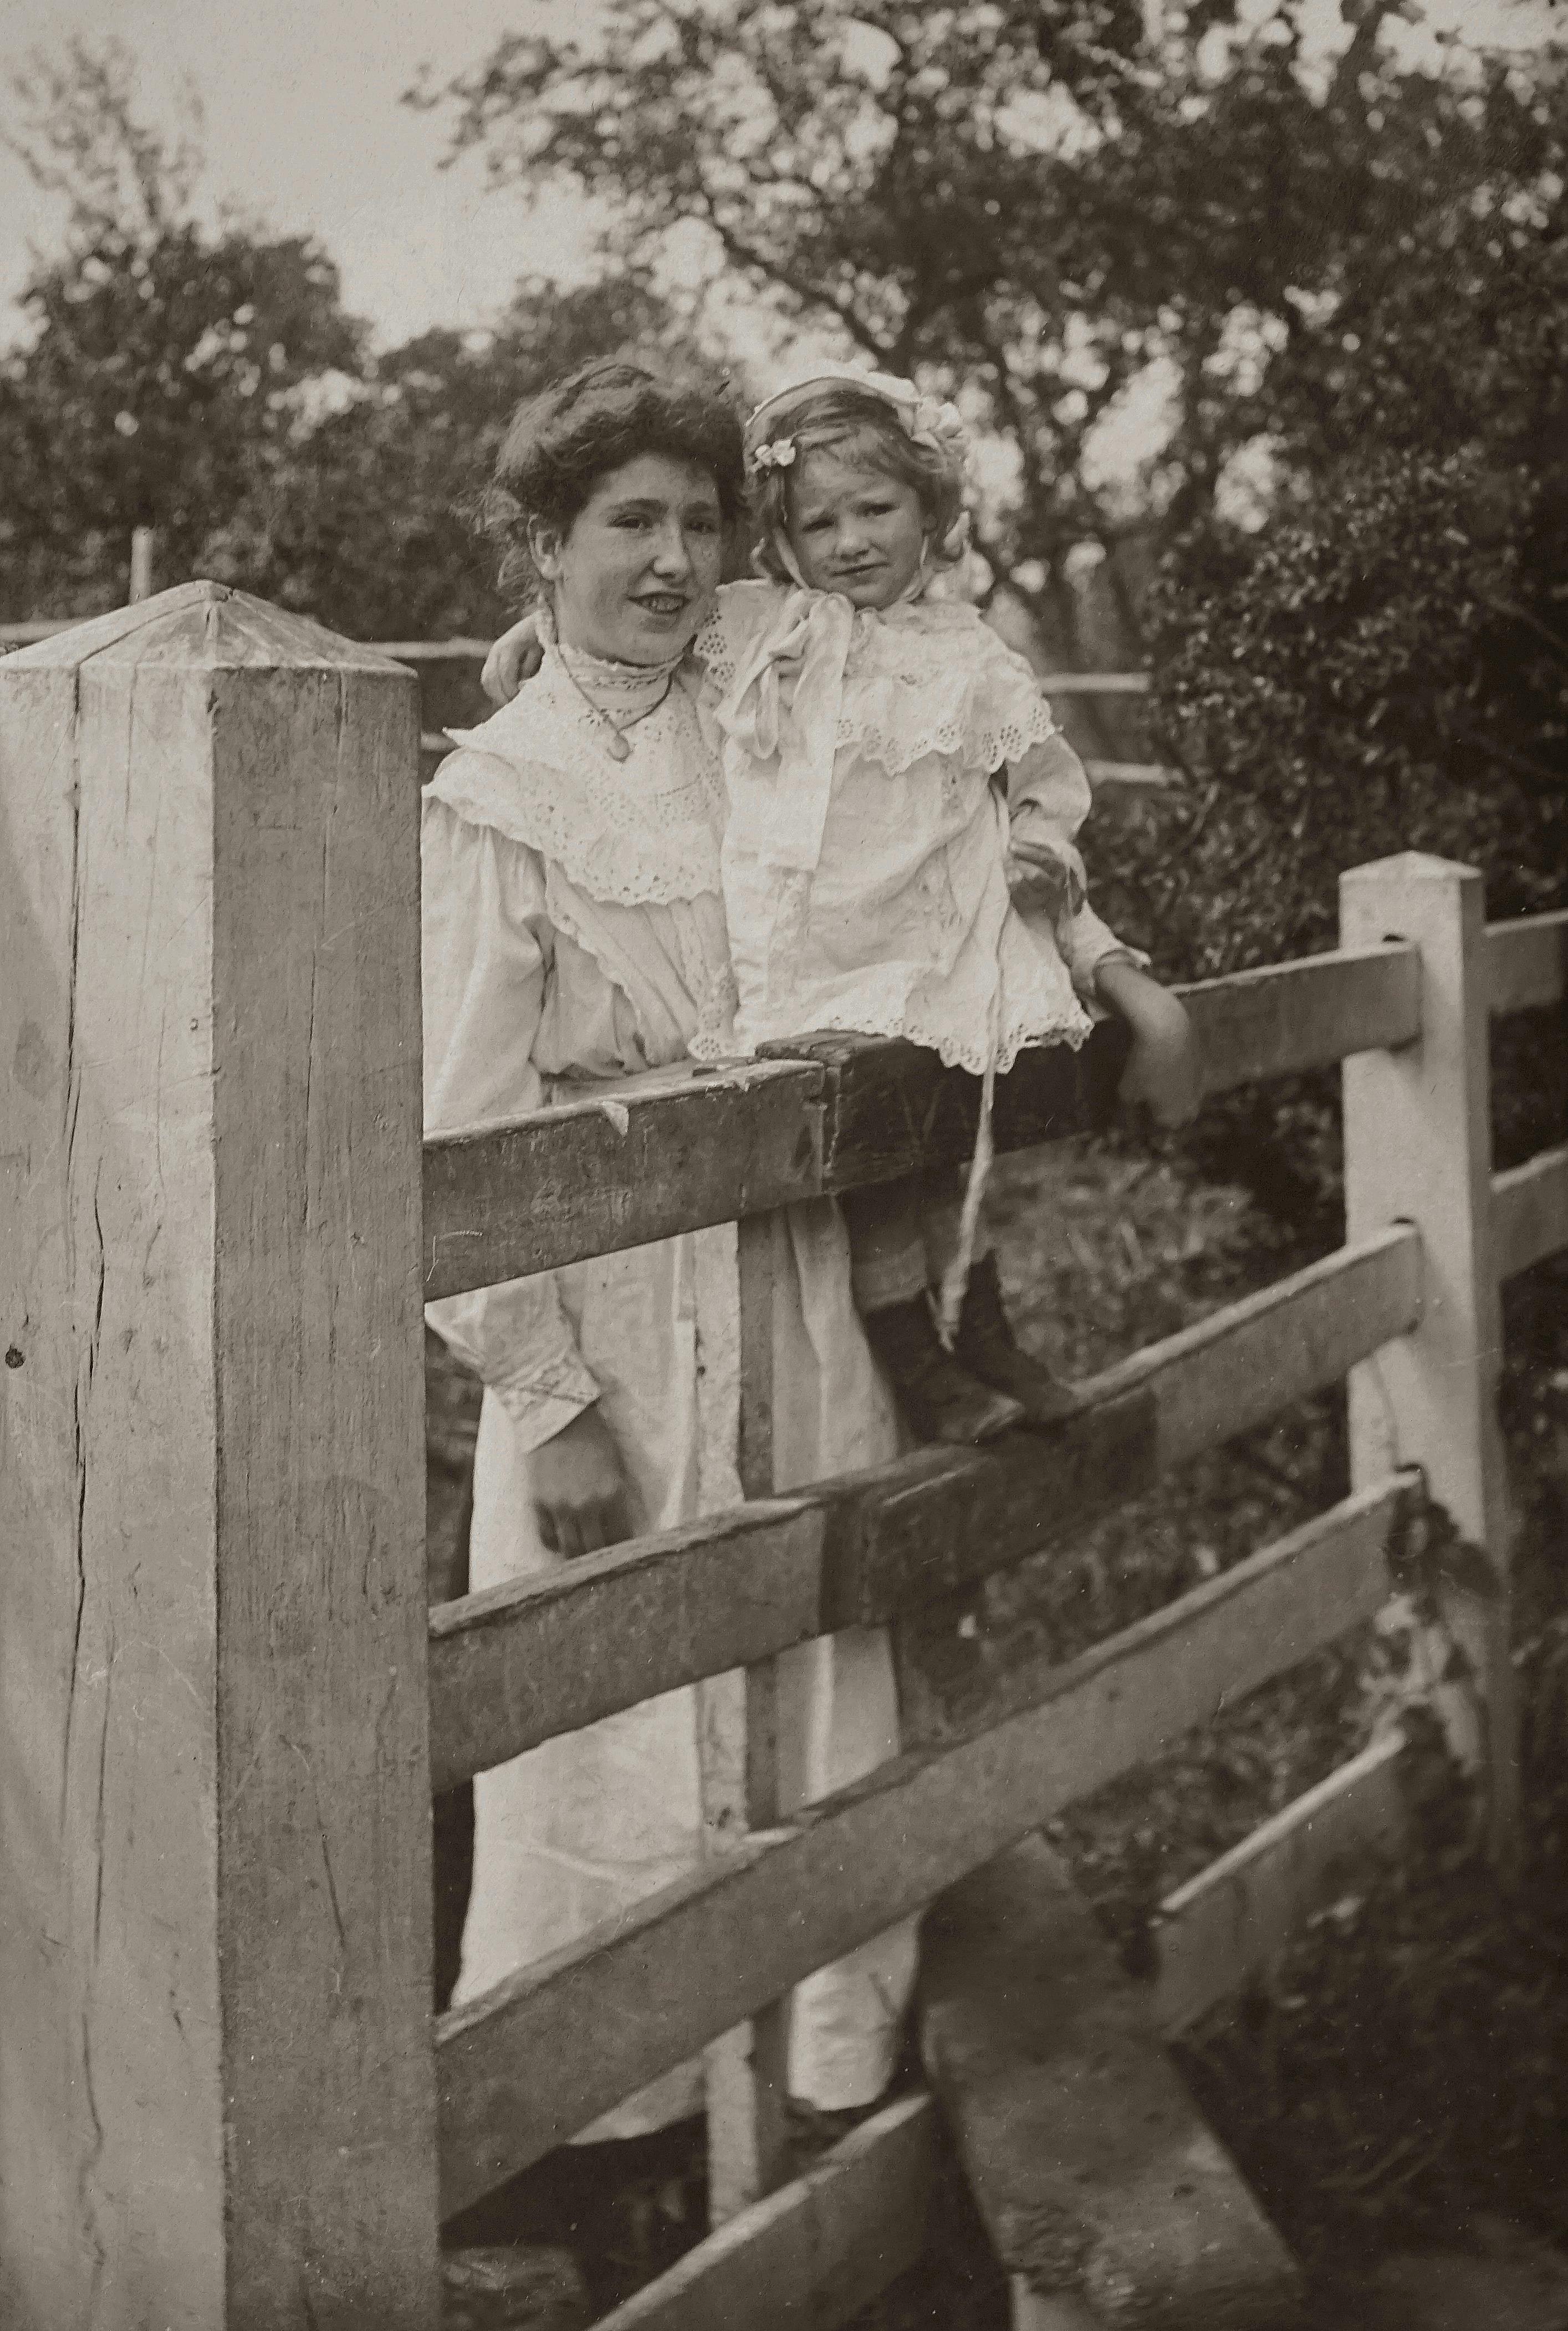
[[573, 930]]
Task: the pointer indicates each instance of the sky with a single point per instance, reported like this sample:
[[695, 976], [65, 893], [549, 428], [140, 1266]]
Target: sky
[[304, 127]]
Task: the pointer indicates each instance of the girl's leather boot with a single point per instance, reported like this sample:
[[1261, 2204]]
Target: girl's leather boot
[[986, 1347], [942, 1398]]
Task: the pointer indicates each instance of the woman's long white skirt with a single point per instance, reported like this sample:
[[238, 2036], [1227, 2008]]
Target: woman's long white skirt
[[577, 1831]]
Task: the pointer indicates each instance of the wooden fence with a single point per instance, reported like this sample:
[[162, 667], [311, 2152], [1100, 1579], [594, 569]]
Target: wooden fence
[[222, 2098]]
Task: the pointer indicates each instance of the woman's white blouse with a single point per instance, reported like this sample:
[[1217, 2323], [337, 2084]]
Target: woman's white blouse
[[567, 936]]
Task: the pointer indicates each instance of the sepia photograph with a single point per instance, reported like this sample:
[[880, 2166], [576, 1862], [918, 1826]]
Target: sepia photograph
[[783, 1165]]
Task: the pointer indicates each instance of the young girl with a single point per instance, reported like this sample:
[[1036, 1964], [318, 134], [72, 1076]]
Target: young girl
[[868, 730]]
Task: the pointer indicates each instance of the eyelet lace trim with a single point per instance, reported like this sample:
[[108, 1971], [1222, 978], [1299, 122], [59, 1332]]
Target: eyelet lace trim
[[709, 982], [953, 1051], [981, 705], [643, 832]]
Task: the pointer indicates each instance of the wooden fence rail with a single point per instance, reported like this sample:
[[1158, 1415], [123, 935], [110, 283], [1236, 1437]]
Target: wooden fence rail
[[650, 1155], [1530, 1211], [515, 1665], [1527, 963], [681, 1150]]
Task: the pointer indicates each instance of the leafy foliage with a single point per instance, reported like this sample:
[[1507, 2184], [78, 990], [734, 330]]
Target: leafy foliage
[[166, 358], [1361, 677], [1046, 209], [976, 191], [206, 382], [362, 519], [1383, 663], [162, 371]]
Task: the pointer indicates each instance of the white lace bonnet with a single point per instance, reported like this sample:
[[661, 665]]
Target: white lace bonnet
[[928, 421]]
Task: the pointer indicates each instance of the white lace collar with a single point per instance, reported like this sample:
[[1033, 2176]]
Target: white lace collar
[[645, 831], [622, 692]]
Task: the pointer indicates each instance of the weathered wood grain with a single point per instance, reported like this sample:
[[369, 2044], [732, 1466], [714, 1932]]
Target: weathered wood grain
[[512, 1666], [1291, 1016], [643, 1159], [816, 2252], [1224, 1927], [1095, 2175], [539, 2056], [1526, 962], [218, 2102], [518, 1664], [1530, 1212], [54, 1631]]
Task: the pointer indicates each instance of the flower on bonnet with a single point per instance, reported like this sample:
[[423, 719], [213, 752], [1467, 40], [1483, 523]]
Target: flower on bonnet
[[941, 423], [779, 455]]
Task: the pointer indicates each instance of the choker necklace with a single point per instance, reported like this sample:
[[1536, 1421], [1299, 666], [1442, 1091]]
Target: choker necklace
[[624, 679], [616, 744]]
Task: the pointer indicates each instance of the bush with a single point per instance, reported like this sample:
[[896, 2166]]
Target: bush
[[1358, 677]]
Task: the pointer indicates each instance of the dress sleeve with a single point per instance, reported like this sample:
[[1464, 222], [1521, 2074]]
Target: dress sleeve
[[486, 943], [1087, 944], [1048, 800], [740, 613]]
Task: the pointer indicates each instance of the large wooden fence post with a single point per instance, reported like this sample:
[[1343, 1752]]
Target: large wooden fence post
[[217, 2086], [1418, 1148]]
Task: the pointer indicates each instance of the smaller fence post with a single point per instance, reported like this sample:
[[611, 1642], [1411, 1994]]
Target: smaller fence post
[[747, 2067], [143, 558], [1417, 1150]]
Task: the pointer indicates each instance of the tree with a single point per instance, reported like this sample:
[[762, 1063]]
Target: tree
[[1383, 663], [363, 519], [166, 359], [206, 382], [911, 176], [1030, 204]]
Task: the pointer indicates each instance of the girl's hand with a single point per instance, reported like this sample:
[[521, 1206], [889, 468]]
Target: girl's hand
[[1162, 1076], [1043, 877], [515, 656], [580, 1489]]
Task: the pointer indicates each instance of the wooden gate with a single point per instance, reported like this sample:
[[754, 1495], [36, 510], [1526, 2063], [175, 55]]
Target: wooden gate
[[222, 2098]]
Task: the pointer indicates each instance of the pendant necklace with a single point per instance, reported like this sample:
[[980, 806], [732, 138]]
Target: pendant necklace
[[616, 744]]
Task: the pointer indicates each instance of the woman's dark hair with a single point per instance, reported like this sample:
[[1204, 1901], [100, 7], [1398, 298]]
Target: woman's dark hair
[[859, 425], [559, 444]]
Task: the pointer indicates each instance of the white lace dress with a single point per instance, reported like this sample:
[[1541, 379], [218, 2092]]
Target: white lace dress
[[573, 931], [863, 859]]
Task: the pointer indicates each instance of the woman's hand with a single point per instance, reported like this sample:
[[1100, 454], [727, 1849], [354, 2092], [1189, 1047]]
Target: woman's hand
[[580, 1488], [515, 656], [1162, 1076]]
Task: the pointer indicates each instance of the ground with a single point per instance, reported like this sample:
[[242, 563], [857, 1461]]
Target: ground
[[1403, 2087]]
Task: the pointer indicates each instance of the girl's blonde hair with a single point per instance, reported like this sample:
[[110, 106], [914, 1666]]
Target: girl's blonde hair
[[857, 424]]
